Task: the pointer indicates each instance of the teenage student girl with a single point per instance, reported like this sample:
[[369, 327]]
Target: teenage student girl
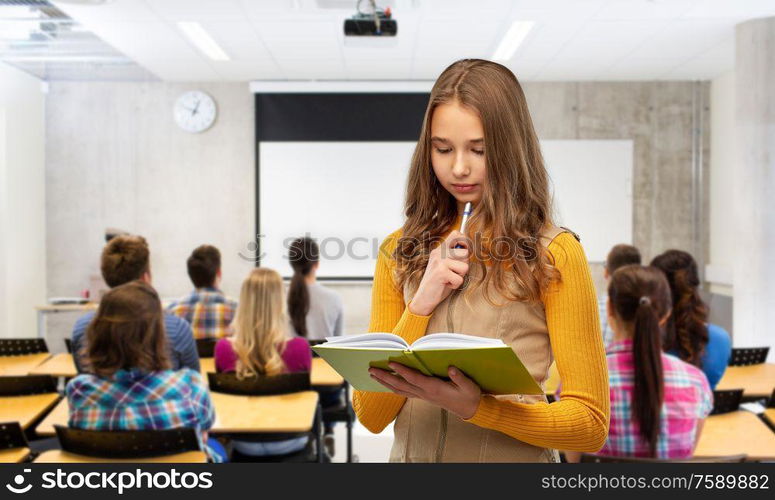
[[658, 402], [688, 334], [131, 385], [518, 278], [260, 346]]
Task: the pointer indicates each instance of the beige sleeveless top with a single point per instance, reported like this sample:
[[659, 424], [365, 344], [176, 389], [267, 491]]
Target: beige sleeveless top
[[427, 433]]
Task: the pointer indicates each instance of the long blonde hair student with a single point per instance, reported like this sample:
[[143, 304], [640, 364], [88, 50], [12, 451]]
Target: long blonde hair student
[[516, 202], [260, 325]]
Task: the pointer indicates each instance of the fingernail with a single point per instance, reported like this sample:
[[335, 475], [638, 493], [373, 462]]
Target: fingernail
[[453, 371]]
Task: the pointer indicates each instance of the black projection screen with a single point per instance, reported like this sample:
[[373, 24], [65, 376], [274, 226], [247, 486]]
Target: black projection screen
[[343, 118]]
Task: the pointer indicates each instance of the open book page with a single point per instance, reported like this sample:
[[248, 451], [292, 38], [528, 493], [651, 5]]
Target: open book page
[[454, 341], [368, 341]]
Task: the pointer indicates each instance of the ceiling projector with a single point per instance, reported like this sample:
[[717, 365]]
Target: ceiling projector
[[371, 22]]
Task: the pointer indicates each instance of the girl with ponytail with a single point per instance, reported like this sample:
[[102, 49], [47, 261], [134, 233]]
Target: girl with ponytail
[[658, 402], [315, 311], [688, 334]]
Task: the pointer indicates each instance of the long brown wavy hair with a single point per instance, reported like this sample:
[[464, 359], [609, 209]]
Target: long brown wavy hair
[[687, 328], [640, 297], [516, 201], [127, 332]]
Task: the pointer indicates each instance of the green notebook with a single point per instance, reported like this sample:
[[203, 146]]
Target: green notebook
[[489, 362]]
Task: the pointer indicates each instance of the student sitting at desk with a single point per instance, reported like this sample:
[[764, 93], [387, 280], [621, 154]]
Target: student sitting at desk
[[207, 309], [688, 334], [260, 346], [131, 385], [127, 258], [658, 402], [315, 312], [619, 256]]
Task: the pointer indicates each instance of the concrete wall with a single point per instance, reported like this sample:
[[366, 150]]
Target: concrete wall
[[753, 228], [116, 158], [658, 118], [22, 202], [722, 174], [114, 153]]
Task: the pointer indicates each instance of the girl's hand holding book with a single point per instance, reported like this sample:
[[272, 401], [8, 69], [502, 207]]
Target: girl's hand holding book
[[460, 395]]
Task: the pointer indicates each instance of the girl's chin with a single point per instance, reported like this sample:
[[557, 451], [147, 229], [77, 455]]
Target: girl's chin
[[473, 197]]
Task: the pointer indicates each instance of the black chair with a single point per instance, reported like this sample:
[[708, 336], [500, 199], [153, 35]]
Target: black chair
[[341, 412], [25, 385], [69, 345], [12, 436], [587, 458], [205, 347], [127, 444], [285, 383], [744, 356], [726, 401], [17, 347]]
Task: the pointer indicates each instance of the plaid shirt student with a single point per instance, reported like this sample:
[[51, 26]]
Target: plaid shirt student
[[137, 400], [688, 399], [208, 311]]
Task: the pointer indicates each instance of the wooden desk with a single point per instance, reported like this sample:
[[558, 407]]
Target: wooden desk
[[58, 416], [755, 380], [769, 414], [265, 414], [321, 374], [63, 457], [734, 433], [25, 409], [59, 365], [57, 308], [21, 365], [206, 365], [13, 455], [552, 383]]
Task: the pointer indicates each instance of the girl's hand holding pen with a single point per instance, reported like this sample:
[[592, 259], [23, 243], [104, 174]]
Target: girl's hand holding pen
[[446, 270]]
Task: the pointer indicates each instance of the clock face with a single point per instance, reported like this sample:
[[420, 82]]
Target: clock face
[[195, 111]]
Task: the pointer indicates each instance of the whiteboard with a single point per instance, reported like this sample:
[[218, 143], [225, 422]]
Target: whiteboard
[[349, 196], [591, 183]]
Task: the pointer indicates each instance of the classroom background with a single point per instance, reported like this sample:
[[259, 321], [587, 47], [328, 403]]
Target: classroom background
[[656, 119]]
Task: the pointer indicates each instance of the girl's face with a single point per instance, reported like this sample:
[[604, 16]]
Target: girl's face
[[457, 151]]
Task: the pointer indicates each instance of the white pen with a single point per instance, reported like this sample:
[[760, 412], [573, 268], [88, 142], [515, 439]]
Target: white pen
[[466, 214]]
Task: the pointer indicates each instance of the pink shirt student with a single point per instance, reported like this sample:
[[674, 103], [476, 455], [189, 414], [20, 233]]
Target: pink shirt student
[[297, 356], [687, 401]]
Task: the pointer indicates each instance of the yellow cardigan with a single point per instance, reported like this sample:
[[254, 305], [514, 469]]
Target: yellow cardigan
[[579, 421]]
